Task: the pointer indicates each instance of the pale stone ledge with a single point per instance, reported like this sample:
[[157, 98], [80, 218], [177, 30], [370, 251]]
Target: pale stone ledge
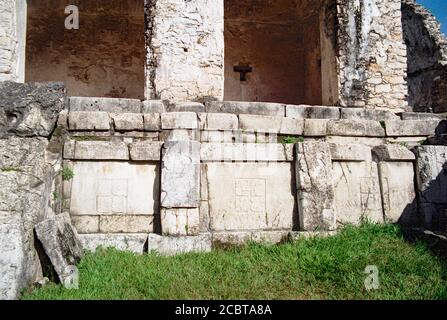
[[179, 245], [350, 152], [411, 128], [153, 106], [235, 107], [312, 112], [367, 114], [421, 116], [126, 224], [271, 124], [262, 152], [145, 151], [180, 222], [393, 152], [179, 120], [125, 242], [128, 121], [152, 122], [116, 105], [355, 128], [101, 150], [187, 107], [84, 120], [314, 185], [180, 179]]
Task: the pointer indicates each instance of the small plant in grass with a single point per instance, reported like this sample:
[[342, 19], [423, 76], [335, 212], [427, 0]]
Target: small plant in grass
[[67, 174]]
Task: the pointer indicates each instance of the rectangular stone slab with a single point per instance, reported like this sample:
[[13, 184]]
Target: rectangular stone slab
[[250, 196], [114, 188]]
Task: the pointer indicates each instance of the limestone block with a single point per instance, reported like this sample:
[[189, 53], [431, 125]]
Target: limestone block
[[153, 106], [124, 242], [355, 128], [101, 150], [128, 121], [398, 194], [83, 120], [257, 196], [357, 192], [367, 141], [225, 239], [315, 127], [179, 245], [180, 222], [411, 128], [180, 178], [112, 188], [145, 151], [367, 114], [393, 152], [180, 135], [218, 136], [179, 120], [152, 122], [236, 107], [61, 244], [313, 169], [431, 169], [116, 105], [243, 152], [188, 107], [69, 149], [126, 224], [221, 121], [312, 112], [62, 119], [421, 116], [350, 152], [86, 224], [271, 124], [299, 235]]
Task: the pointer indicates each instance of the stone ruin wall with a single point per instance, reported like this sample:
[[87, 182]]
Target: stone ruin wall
[[427, 59]]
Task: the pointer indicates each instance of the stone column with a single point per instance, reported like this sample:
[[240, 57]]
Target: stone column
[[185, 44]]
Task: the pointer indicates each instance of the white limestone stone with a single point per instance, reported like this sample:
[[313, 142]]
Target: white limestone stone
[[86, 224], [243, 152], [126, 224], [257, 196], [179, 120], [393, 152], [315, 127], [350, 152], [179, 245], [153, 106], [367, 114], [114, 188], [221, 121], [88, 121], [242, 107], [312, 112], [411, 127], [271, 124], [117, 105], [101, 150], [125, 242], [128, 121], [145, 151], [180, 222], [355, 128]]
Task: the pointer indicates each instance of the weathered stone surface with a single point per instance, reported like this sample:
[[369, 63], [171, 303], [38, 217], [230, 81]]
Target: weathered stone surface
[[243, 152], [126, 224], [128, 121], [258, 196], [180, 222], [367, 141], [30, 109], [398, 194], [179, 245], [113, 188], [152, 121], [350, 152], [431, 167], [271, 124], [411, 128], [180, 135], [421, 116], [153, 106], [116, 105], [179, 120], [125, 242], [101, 150], [61, 244], [314, 185], [357, 192], [84, 120], [393, 152], [145, 151], [355, 128], [180, 178], [312, 112], [69, 149], [315, 127], [187, 107], [25, 191], [367, 114], [300, 235], [85, 224], [221, 121], [239, 238], [228, 136], [236, 107]]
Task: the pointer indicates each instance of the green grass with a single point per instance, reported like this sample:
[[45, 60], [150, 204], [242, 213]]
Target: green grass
[[329, 268]]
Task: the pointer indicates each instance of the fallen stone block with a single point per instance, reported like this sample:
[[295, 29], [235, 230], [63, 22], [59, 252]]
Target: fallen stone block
[[355, 128], [145, 151], [312, 112], [125, 242], [61, 244], [82, 121], [236, 107], [179, 245], [115, 105], [411, 128]]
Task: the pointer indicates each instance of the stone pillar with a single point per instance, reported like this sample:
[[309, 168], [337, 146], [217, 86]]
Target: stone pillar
[[313, 169], [372, 54], [185, 49], [431, 170]]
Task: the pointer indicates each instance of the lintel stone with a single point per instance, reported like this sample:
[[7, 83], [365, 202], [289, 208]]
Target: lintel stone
[[101, 150]]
